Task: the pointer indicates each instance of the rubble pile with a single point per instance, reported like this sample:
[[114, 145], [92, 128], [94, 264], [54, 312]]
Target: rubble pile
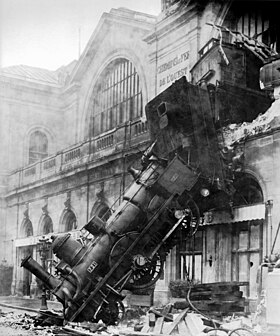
[[24, 322], [235, 133], [189, 323], [157, 321]]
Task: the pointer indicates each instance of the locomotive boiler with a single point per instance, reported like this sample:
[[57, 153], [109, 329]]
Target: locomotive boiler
[[180, 168]]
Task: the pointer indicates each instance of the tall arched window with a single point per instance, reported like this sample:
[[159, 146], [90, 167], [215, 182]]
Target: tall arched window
[[38, 146], [46, 225], [27, 228], [117, 97], [69, 221]]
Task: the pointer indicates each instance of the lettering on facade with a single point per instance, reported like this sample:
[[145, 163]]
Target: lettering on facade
[[169, 65]]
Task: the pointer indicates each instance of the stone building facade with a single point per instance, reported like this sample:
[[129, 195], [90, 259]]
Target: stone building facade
[[70, 135]]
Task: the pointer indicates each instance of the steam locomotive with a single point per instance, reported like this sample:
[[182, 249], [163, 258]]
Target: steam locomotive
[[181, 168], [128, 251]]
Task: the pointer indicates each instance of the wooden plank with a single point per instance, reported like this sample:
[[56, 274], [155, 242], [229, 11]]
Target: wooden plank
[[235, 295], [159, 314], [139, 333], [194, 324], [167, 309], [209, 291], [78, 332], [183, 329], [221, 304], [158, 326], [165, 327], [205, 286], [146, 326], [174, 324]]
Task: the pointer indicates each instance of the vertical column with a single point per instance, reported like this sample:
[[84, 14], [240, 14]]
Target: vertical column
[[33, 284]]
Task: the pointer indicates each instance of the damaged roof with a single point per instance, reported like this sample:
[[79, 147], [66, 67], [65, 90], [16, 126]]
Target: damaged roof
[[235, 133]]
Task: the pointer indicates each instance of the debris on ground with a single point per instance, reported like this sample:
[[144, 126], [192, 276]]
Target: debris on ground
[[24, 322], [188, 323], [157, 321]]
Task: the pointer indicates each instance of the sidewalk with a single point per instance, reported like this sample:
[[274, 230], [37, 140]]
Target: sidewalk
[[27, 304]]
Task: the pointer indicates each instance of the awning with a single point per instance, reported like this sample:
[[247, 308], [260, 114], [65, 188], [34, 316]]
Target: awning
[[240, 214]]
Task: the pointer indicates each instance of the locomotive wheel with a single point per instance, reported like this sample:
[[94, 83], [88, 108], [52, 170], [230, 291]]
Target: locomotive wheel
[[112, 313], [145, 272]]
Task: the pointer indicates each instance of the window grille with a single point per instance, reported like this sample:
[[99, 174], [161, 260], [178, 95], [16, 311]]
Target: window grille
[[38, 146], [117, 97], [191, 260]]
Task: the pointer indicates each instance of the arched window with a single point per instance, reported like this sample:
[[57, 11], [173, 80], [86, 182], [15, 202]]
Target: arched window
[[38, 146], [117, 97], [248, 191], [69, 221], [46, 225], [27, 228]]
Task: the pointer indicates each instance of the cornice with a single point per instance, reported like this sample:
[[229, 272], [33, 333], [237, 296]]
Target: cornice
[[180, 16]]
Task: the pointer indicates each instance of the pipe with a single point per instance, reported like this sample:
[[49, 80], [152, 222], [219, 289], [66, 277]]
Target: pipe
[[269, 227], [275, 238], [35, 268]]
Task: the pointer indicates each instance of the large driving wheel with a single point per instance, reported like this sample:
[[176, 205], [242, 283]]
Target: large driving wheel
[[145, 271], [112, 313]]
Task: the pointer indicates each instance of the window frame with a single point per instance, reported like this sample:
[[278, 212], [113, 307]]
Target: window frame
[[37, 139], [246, 253], [117, 97]]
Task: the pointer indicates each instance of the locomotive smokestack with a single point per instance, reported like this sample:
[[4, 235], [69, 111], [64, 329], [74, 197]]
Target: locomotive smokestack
[[31, 265]]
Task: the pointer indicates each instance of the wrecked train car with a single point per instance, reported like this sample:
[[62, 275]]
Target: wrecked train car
[[182, 168]]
